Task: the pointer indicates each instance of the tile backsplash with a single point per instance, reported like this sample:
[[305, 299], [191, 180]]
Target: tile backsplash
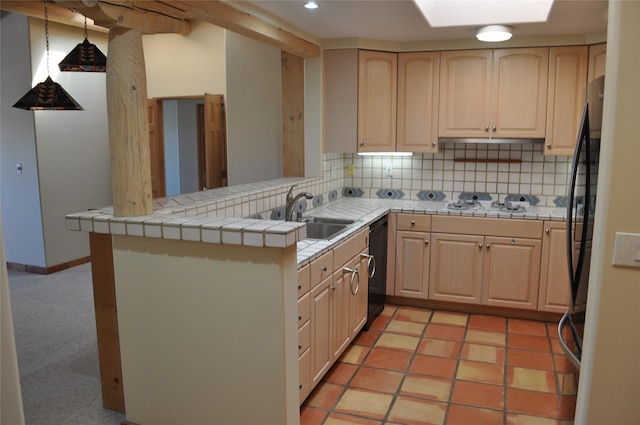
[[459, 170]]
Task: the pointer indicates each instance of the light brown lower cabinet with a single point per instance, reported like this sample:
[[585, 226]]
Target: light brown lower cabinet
[[555, 294], [321, 355], [412, 264]]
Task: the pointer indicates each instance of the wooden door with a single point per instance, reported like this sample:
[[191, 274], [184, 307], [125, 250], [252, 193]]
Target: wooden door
[[566, 97], [412, 264], [519, 93], [418, 89], [512, 272], [465, 93], [359, 301], [156, 148], [377, 99], [340, 296], [456, 268], [215, 149], [555, 289], [320, 320]]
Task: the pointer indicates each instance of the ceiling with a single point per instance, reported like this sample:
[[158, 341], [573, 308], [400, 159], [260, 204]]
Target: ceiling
[[402, 21]]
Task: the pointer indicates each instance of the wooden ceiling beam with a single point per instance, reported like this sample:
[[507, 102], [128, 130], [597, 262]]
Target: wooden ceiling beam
[[61, 15], [228, 17]]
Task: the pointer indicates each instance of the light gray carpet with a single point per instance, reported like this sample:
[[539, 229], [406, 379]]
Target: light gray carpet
[[55, 331]]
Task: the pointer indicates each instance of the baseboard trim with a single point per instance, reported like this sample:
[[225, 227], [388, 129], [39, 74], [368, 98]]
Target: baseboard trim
[[47, 270]]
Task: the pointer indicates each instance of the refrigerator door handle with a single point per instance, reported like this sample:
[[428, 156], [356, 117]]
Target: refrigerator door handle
[[563, 322]]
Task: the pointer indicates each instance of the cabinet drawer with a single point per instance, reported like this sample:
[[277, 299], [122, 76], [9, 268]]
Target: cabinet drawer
[[304, 336], [351, 247], [321, 268], [304, 309], [304, 280], [414, 222], [510, 228]]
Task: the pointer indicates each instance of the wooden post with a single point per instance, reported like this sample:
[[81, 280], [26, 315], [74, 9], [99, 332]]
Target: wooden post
[[128, 124]]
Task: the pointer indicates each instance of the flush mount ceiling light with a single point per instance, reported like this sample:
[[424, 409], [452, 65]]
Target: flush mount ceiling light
[[494, 33], [311, 4], [47, 95], [85, 57]]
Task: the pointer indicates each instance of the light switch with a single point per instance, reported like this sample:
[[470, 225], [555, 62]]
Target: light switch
[[626, 250], [19, 168]]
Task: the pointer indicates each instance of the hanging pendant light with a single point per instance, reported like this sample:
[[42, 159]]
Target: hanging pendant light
[[85, 57], [47, 95]]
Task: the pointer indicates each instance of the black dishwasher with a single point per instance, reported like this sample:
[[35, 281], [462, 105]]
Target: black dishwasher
[[378, 268]]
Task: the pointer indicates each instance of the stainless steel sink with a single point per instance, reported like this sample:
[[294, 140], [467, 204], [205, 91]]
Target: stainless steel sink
[[325, 228]]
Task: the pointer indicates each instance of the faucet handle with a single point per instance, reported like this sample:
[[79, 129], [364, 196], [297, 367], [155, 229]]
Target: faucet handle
[[289, 193]]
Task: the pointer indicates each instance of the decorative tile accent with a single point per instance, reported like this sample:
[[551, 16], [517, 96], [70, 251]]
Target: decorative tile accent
[[301, 205], [278, 213], [317, 201], [477, 196], [561, 201], [390, 194], [333, 195], [531, 199], [352, 192], [431, 195]]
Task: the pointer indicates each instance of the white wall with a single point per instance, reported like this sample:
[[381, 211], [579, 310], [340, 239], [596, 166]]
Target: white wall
[[72, 146], [20, 192], [608, 386], [254, 110]]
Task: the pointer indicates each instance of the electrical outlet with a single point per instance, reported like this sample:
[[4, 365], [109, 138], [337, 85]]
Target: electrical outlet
[[351, 170], [388, 169]]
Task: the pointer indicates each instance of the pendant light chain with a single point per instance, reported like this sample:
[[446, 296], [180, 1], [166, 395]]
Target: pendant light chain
[[86, 33], [46, 33]]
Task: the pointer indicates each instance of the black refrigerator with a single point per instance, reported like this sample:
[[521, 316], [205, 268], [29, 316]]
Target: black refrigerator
[[581, 205]]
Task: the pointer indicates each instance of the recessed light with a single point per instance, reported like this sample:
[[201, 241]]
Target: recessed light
[[494, 33], [311, 4]]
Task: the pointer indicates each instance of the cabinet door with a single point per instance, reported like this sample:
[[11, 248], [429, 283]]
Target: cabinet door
[[321, 356], [304, 366], [456, 268], [340, 296], [512, 272], [465, 93], [412, 264], [567, 92], [418, 88], [597, 61], [340, 100], [555, 291], [359, 295], [377, 98], [519, 97]]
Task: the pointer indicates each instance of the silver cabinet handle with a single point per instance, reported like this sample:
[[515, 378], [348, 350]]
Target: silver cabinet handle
[[546, 230], [299, 346], [513, 241], [299, 316], [433, 144], [549, 145], [426, 241], [324, 268], [486, 128], [354, 273], [413, 222], [488, 246], [299, 287], [372, 259], [479, 245], [493, 128], [361, 143]]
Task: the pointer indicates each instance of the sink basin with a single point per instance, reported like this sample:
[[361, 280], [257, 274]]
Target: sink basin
[[325, 228]]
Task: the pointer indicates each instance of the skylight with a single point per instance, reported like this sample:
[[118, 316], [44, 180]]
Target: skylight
[[459, 13]]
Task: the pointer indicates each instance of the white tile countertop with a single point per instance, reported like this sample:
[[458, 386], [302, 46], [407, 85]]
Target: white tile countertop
[[218, 216]]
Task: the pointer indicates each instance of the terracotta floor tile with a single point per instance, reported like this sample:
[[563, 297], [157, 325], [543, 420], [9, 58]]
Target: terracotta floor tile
[[324, 396], [483, 353], [354, 354], [389, 310], [567, 406], [404, 327], [452, 333], [529, 342], [439, 347], [480, 372], [449, 318], [410, 314], [312, 416], [568, 383], [426, 387], [364, 403], [340, 373], [342, 419], [478, 394], [414, 411], [530, 359], [528, 327], [518, 419], [479, 336], [367, 338], [380, 380], [388, 359], [563, 364], [488, 323], [398, 342], [380, 322], [531, 379], [532, 403], [467, 415], [434, 366]]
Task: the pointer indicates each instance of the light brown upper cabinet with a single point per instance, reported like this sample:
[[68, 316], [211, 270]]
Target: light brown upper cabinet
[[377, 97], [340, 100], [493, 93], [567, 93], [418, 88], [597, 61]]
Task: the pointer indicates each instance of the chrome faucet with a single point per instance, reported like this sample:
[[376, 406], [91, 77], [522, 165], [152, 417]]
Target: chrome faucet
[[291, 203]]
